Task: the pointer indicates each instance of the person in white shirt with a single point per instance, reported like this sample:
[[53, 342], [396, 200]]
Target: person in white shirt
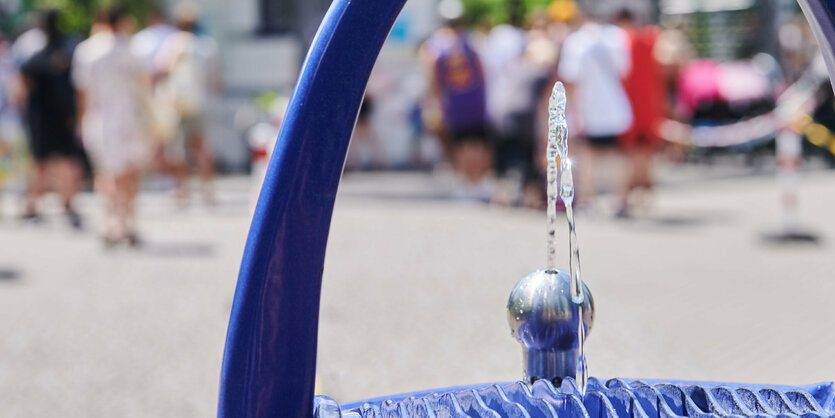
[[147, 43], [185, 62], [593, 61], [113, 87]]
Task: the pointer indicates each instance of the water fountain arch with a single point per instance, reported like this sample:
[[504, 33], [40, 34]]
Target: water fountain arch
[[270, 357]]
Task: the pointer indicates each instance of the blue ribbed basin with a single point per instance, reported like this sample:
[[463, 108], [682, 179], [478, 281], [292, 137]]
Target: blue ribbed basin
[[613, 398]]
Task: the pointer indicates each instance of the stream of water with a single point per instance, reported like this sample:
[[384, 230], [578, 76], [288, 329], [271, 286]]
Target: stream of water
[[561, 184]]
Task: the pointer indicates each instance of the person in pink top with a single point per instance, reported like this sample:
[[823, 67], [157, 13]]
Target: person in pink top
[[697, 84]]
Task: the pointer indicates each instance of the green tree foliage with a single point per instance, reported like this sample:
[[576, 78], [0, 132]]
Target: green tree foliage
[[78, 15], [500, 11]]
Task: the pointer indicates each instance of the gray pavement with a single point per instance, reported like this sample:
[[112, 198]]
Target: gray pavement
[[414, 293]]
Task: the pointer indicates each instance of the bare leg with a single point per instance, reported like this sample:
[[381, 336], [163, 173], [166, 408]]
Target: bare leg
[[642, 177], [205, 164], [130, 189], [179, 170], [643, 169], [176, 168], [106, 185], [160, 165], [35, 189], [124, 193], [622, 180], [365, 133], [588, 157], [67, 175], [356, 159]]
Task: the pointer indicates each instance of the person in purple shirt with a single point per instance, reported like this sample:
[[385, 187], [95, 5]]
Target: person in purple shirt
[[457, 94]]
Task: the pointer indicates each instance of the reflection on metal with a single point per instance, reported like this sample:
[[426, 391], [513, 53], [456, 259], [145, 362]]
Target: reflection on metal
[[613, 398], [821, 17], [544, 320], [550, 312]]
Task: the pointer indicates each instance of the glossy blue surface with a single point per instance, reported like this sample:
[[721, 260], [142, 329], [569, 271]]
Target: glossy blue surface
[[270, 357], [616, 398], [269, 363], [821, 17]]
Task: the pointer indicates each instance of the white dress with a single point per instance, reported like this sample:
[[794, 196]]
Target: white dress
[[113, 128]]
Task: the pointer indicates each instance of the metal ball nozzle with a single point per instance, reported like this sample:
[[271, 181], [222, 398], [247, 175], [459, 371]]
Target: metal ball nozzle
[[543, 319]]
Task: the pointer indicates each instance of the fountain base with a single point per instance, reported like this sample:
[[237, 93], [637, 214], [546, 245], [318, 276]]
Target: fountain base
[[550, 363], [613, 398]]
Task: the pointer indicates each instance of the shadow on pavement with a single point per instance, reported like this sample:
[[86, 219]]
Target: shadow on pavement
[[9, 275], [408, 196], [674, 221], [682, 220], [177, 249]]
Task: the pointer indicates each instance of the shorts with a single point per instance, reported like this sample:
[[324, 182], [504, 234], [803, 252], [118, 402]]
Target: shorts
[[177, 149], [602, 142], [47, 141], [469, 135]]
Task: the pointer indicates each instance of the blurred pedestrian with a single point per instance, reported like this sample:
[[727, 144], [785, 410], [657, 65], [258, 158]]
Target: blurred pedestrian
[[502, 51], [147, 43], [593, 61], [112, 87], [673, 51], [645, 85], [184, 62], [367, 151], [456, 109], [10, 131], [50, 117], [31, 41], [515, 107]]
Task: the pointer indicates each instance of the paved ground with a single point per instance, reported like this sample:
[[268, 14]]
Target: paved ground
[[414, 293]]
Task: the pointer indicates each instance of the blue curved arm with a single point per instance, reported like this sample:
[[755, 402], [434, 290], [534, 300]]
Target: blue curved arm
[[821, 17], [269, 363]]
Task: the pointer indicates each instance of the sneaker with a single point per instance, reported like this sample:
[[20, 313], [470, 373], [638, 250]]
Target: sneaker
[[75, 219], [110, 242], [133, 240], [623, 213], [31, 217]]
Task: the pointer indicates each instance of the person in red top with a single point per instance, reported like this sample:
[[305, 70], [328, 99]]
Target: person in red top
[[645, 86]]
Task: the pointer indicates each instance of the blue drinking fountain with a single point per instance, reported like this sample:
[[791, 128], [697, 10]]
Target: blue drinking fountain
[[269, 362]]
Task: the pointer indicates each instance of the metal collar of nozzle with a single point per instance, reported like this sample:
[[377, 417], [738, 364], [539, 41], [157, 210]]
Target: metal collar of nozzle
[[543, 319]]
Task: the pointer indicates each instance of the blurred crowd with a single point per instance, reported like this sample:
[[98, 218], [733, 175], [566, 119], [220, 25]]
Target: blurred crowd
[[488, 87], [131, 100], [113, 106]]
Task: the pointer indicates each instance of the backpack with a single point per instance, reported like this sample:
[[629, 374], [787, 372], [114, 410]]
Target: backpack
[[186, 78]]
